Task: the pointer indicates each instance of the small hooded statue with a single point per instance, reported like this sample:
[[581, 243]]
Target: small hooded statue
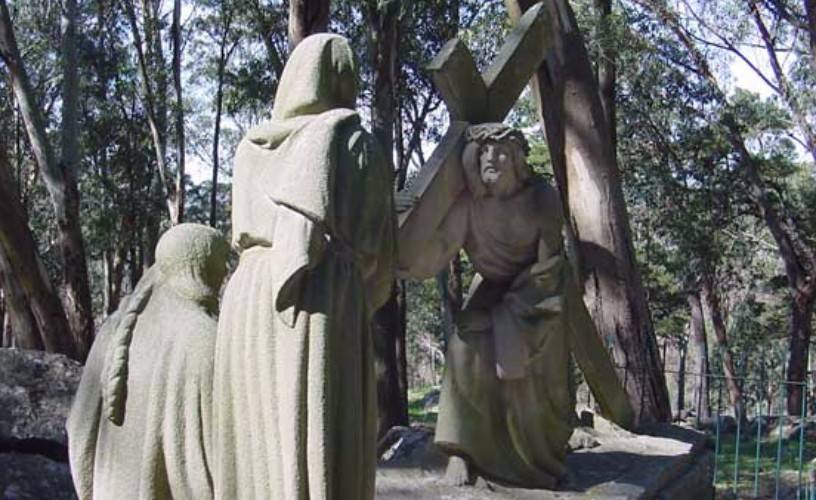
[[140, 423], [294, 390]]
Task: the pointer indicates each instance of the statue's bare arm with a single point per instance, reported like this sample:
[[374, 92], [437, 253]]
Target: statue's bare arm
[[441, 248]]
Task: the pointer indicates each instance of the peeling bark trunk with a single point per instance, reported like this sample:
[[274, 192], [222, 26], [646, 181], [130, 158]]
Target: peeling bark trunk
[[37, 315], [607, 68], [58, 177], [799, 347], [589, 181], [712, 303], [307, 17], [19, 326], [700, 348]]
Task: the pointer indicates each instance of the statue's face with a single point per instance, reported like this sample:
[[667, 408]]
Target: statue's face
[[496, 166]]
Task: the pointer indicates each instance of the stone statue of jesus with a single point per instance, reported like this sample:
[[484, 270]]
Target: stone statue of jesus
[[506, 407]]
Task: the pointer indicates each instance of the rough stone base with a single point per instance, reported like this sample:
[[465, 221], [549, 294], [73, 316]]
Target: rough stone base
[[36, 390], [666, 462], [34, 477]]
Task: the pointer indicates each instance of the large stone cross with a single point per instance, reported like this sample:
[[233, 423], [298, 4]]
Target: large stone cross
[[471, 97]]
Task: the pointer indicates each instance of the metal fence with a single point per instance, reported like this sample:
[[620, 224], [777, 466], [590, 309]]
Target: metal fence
[[764, 453]]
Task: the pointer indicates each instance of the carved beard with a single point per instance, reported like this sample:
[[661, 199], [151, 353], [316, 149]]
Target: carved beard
[[505, 185], [473, 175]]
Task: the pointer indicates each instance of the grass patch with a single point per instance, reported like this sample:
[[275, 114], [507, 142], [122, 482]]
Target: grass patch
[[766, 461], [417, 413]]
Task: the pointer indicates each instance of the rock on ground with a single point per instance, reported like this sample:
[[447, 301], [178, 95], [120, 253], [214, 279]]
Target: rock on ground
[[666, 462], [36, 390], [34, 477]]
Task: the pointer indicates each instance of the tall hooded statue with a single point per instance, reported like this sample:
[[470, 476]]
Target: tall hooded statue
[[294, 396], [139, 427]]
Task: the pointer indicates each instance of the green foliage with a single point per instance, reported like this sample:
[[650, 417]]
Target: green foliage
[[417, 412]]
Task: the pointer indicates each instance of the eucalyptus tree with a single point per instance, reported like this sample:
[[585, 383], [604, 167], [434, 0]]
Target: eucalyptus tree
[[794, 243], [58, 173], [584, 160]]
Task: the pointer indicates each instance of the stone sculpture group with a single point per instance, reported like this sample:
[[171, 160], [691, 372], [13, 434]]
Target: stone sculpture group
[[276, 397]]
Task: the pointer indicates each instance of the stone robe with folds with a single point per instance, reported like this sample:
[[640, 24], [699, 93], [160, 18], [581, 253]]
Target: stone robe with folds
[[294, 391], [161, 449], [506, 404]]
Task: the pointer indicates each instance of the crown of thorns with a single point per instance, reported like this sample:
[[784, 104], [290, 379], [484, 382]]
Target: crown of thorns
[[496, 132]]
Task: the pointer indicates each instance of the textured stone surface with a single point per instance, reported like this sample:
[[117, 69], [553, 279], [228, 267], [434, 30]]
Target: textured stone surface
[[34, 477], [140, 423], [36, 389], [671, 464], [522, 321], [294, 401]]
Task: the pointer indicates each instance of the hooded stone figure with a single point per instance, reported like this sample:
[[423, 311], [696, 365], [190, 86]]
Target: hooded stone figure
[[294, 390], [140, 423]]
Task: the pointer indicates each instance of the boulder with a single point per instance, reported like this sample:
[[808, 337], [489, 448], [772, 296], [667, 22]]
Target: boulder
[[34, 477], [410, 447], [431, 400], [36, 390]]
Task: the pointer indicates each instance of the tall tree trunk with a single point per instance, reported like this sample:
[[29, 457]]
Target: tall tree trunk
[[607, 67], [219, 100], [700, 349], [115, 260], [390, 365], [58, 177], [5, 321], [307, 17], [390, 351], [75, 267], [178, 112], [153, 99], [810, 11], [37, 315], [682, 352], [712, 303], [588, 178], [19, 324], [799, 348]]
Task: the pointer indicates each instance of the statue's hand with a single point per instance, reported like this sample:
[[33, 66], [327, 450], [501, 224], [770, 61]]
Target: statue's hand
[[404, 200]]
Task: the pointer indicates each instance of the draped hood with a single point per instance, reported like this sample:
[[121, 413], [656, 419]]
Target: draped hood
[[292, 160]]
